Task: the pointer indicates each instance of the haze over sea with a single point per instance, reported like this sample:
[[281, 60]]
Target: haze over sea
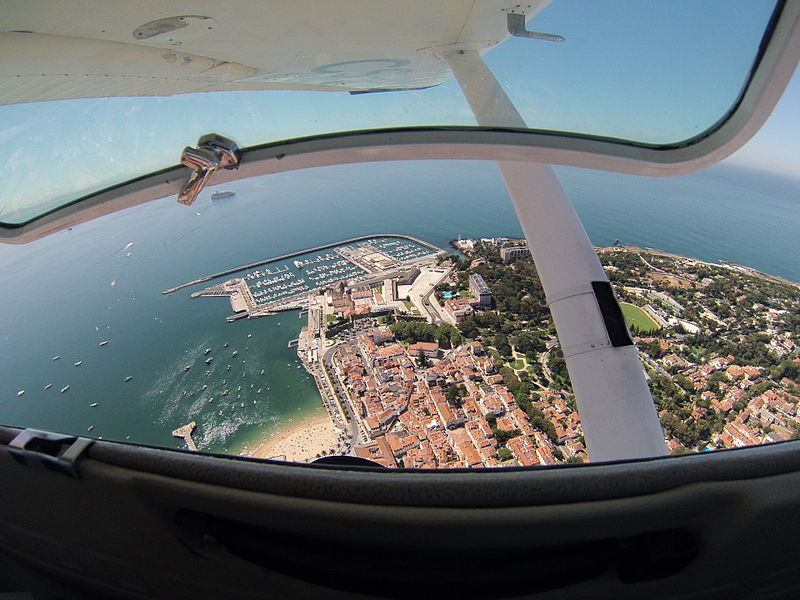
[[103, 281]]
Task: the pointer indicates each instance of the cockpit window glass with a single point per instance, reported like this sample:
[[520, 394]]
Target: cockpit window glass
[[650, 73], [102, 338]]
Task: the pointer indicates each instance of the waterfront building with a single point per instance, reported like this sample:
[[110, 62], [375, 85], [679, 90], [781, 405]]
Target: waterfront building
[[480, 290], [377, 451], [510, 253]]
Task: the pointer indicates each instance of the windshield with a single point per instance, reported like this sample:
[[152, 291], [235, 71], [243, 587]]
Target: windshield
[[648, 73]]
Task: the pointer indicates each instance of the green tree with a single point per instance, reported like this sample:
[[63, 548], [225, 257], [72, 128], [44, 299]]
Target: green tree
[[504, 454], [502, 436], [422, 360]]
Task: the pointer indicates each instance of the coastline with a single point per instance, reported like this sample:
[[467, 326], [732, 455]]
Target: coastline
[[752, 271], [299, 441]]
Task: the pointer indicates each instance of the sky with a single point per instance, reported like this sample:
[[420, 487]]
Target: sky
[[657, 72], [776, 146]]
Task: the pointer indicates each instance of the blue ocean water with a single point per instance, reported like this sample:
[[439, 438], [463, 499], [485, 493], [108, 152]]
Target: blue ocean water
[[103, 281]]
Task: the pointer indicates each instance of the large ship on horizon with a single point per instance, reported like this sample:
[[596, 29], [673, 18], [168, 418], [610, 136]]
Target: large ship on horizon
[[223, 195]]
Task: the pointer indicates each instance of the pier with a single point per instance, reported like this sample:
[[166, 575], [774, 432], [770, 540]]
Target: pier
[[298, 253], [185, 432]]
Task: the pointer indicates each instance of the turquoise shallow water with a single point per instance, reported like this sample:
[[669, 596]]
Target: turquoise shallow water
[[58, 296]]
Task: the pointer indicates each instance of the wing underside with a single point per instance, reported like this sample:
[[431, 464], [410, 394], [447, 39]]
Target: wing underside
[[54, 51]]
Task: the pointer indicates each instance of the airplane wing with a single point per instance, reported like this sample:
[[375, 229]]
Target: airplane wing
[[52, 51]]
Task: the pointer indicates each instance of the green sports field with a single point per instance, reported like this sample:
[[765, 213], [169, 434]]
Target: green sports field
[[636, 317]]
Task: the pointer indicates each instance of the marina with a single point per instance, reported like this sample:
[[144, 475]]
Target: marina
[[390, 237], [286, 283]]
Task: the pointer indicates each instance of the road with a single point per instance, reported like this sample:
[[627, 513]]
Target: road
[[548, 375], [355, 433], [422, 289]]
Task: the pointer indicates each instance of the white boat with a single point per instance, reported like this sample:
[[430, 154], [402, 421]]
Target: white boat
[[78, 363], [222, 195], [64, 389], [93, 404], [48, 386], [128, 378], [56, 357], [20, 393], [103, 343]]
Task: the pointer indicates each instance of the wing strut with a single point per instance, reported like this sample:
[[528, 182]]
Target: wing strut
[[617, 412]]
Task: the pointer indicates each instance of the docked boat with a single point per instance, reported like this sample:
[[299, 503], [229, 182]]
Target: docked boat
[[223, 195], [64, 389]]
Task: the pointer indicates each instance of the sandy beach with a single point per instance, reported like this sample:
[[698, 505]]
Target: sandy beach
[[299, 441]]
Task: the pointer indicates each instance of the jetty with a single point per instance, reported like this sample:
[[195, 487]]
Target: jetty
[[185, 432]]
